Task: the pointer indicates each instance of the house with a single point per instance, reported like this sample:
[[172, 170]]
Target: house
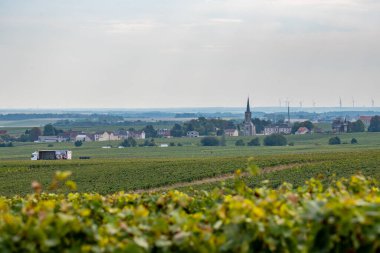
[[231, 132], [71, 135], [366, 120], [192, 134], [83, 137], [51, 139], [163, 133], [277, 129], [3, 132], [136, 134], [302, 130], [106, 136], [339, 126], [121, 133]]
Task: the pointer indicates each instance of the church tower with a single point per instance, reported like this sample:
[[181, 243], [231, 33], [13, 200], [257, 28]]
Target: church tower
[[249, 128]]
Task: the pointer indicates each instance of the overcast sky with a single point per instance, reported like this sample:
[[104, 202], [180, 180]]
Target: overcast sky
[[188, 53]]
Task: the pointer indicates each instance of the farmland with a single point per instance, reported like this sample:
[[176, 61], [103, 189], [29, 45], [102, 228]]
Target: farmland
[[191, 149], [111, 175], [130, 169]]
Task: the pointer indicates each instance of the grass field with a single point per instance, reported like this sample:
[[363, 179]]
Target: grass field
[[192, 149]]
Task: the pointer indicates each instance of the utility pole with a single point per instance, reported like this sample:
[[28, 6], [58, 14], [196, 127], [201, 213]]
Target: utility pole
[[288, 113]]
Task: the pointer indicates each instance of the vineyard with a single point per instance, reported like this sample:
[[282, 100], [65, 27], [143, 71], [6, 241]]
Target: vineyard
[[343, 217], [110, 175], [312, 202]]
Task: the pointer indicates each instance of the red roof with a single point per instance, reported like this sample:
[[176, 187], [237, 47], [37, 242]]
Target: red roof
[[367, 118]]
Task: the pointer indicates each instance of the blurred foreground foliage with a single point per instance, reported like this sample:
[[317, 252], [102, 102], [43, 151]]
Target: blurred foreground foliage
[[343, 217]]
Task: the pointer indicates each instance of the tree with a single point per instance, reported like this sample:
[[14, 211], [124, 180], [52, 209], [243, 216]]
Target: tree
[[334, 140], [49, 130], [150, 132], [354, 141], [176, 131], [275, 140], [260, 124], [24, 138], [374, 125], [308, 124], [254, 142], [223, 141], [239, 143], [78, 143], [357, 126], [149, 143], [34, 133], [220, 132], [130, 142], [210, 141]]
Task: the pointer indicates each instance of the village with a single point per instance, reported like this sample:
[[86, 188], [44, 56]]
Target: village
[[195, 128]]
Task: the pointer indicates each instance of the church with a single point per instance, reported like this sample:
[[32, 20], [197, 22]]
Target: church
[[249, 128]]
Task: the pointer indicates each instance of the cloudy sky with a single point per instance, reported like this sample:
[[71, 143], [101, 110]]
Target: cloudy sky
[[188, 53]]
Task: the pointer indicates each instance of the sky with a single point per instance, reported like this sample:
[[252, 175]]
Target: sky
[[188, 53]]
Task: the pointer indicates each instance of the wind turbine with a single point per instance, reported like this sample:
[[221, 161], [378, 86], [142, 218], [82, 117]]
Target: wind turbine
[[353, 102], [373, 102], [340, 102]]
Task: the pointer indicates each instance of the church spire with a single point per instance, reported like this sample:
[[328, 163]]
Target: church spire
[[248, 107]]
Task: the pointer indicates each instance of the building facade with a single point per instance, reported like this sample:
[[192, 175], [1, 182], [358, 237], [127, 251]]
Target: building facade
[[277, 129], [231, 132], [249, 128], [339, 126], [192, 134]]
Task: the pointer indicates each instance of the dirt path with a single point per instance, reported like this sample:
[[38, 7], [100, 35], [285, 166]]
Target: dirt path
[[218, 178]]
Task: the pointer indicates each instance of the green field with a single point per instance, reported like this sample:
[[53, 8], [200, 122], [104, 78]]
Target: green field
[[191, 147], [111, 175], [127, 169], [234, 214]]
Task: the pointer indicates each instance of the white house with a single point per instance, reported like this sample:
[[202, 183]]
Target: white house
[[366, 119], [231, 132], [302, 130], [106, 136], [51, 139], [164, 132], [82, 137], [192, 134], [277, 129], [136, 134]]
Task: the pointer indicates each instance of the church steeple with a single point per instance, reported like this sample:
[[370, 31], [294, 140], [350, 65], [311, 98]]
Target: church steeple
[[249, 128]]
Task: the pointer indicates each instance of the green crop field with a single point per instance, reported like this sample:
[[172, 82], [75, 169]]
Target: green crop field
[[249, 213], [115, 169], [191, 147], [111, 175]]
